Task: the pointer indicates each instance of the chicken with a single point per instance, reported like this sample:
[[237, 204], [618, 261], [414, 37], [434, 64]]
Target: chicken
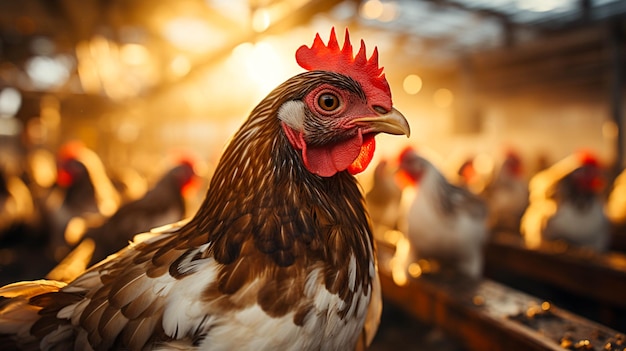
[[475, 173], [566, 204], [17, 207], [22, 232], [383, 200], [507, 195], [161, 205], [85, 196], [444, 223], [280, 254]]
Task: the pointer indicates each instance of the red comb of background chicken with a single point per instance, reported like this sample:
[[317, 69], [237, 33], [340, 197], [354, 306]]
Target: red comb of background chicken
[[189, 159], [321, 57], [405, 152], [587, 158], [70, 150]]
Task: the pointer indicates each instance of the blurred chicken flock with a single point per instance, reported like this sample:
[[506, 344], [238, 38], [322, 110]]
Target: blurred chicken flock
[[570, 202]]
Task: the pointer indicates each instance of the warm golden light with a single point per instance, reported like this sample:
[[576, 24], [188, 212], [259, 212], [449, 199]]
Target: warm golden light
[[134, 54], [74, 263], [75, 229], [483, 164], [400, 262], [415, 270], [180, 66], [412, 84], [193, 34], [372, 9], [136, 185], [443, 98], [389, 12], [261, 20], [392, 236], [19, 204], [261, 63], [43, 166], [609, 130], [107, 198]]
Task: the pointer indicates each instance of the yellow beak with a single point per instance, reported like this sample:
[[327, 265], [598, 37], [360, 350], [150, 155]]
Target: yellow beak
[[391, 123]]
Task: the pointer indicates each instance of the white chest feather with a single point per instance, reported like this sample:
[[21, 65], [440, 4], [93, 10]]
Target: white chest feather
[[586, 228]]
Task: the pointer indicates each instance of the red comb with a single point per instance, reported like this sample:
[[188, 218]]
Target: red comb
[[588, 158], [70, 150], [405, 152], [321, 57]]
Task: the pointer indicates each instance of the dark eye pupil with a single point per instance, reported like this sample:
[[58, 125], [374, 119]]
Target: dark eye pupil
[[328, 102]]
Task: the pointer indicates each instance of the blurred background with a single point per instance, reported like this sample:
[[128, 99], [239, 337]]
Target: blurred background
[[135, 88]]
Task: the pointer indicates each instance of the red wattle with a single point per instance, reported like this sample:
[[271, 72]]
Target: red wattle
[[365, 156], [354, 154]]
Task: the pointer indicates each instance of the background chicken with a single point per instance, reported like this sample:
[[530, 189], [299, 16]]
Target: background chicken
[[17, 207], [163, 204], [566, 204], [84, 197], [383, 200], [22, 234], [507, 195], [444, 222], [278, 257]]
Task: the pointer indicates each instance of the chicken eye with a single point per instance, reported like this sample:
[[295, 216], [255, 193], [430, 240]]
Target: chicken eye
[[328, 102]]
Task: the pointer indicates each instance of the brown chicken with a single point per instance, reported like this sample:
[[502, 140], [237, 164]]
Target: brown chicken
[[280, 254]]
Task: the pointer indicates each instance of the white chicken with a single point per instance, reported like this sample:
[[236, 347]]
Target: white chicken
[[444, 222], [566, 204]]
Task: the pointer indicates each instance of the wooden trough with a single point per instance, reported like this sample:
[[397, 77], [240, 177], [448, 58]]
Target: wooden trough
[[594, 283], [486, 315]]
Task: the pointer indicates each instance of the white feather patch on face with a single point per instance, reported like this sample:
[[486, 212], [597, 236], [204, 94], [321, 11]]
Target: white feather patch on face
[[292, 113]]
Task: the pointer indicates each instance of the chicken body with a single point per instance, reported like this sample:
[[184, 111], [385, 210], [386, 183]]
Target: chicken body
[[566, 204], [84, 197], [507, 196], [22, 234], [161, 205], [278, 257], [383, 200], [444, 222]]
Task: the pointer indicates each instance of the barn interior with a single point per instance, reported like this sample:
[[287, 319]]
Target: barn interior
[[138, 85]]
